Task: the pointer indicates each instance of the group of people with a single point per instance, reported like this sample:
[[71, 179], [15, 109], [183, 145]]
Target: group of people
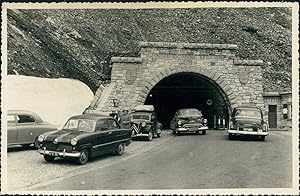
[[120, 116]]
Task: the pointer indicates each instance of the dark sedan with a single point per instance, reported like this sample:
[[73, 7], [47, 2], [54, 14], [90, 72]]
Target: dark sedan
[[188, 120], [85, 136], [247, 120], [24, 127]]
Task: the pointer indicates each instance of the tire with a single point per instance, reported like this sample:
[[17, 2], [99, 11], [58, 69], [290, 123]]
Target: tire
[[174, 132], [158, 134], [84, 157], [177, 133], [26, 145], [262, 138], [230, 136], [204, 132], [197, 132], [49, 158], [37, 143], [120, 149], [150, 136]]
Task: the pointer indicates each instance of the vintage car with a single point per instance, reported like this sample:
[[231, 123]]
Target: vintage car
[[247, 120], [85, 136], [24, 127], [188, 120], [143, 122]]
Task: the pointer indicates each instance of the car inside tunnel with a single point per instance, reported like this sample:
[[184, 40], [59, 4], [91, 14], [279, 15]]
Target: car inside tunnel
[[188, 90]]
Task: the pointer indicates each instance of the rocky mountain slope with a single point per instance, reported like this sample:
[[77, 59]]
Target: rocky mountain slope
[[79, 43]]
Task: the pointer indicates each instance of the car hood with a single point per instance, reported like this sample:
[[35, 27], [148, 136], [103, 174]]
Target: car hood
[[66, 135], [248, 122]]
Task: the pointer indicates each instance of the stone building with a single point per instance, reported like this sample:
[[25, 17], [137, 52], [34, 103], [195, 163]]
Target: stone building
[[175, 75], [279, 109]]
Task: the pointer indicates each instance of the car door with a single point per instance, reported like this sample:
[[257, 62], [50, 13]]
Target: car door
[[27, 127], [101, 141], [12, 131], [115, 131]]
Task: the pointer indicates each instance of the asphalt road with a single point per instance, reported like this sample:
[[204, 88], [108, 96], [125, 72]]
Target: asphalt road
[[193, 162]]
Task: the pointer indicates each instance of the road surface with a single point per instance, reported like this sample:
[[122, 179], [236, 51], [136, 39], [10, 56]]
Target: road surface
[[192, 162]]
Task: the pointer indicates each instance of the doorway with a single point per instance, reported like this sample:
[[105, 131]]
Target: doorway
[[272, 116]]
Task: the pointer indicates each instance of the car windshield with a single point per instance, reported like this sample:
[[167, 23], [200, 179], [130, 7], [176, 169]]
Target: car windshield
[[190, 112], [86, 125], [248, 112], [140, 116]]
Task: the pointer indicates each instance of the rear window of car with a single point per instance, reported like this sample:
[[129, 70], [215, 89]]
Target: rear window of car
[[140, 116], [248, 112]]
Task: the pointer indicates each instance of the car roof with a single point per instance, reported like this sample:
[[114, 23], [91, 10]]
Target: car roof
[[187, 109], [247, 107], [37, 117], [91, 116]]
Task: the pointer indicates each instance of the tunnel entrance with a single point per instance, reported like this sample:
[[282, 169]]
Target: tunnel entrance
[[188, 90]]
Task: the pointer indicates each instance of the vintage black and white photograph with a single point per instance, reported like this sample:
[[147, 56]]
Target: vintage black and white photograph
[[150, 98]]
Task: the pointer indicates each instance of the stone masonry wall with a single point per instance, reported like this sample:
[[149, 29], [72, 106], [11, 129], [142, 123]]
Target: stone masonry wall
[[240, 81]]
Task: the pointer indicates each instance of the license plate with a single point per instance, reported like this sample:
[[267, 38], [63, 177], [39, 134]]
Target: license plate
[[193, 129], [55, 154], [249, 129]]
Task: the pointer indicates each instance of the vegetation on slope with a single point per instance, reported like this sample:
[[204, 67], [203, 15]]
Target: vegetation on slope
[[79, 43]]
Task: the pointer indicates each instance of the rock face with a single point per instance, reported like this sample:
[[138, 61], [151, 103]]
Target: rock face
[[80, 43]]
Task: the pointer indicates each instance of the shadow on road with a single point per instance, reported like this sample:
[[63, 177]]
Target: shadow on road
[[19, 148]]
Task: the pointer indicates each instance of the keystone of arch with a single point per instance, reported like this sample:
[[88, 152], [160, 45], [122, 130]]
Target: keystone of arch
[[212, 75]]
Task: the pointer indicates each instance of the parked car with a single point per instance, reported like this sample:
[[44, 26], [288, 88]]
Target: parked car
[[24, 127], [247, 120], [85, 136], [143, 122], [188, 120]]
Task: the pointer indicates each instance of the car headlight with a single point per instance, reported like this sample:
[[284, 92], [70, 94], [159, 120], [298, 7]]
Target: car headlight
[[179, 122], [73, 141], [205, 120], [41, 138], [231, 125], [143, 124]]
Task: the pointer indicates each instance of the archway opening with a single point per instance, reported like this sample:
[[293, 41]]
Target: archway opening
[[189, 90]]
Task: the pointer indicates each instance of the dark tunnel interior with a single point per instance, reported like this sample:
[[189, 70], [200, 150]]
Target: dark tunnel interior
[[187, 90]]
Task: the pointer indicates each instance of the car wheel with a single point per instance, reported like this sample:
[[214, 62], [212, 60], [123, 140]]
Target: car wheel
[[84, 157], [120, 149], [158, 134], [262, 138], [49, 158], [26, 145], [204, 132], [174, 132], [36, 143], [177, 133], [230, 136], [197, 132], [150, 136]]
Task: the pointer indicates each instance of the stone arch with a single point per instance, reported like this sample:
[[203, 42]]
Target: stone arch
[[212, 76]]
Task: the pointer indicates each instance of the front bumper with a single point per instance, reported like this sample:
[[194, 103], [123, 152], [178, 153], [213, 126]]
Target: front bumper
[[140, 135], [182, 129], [59, 154], [237, 132]]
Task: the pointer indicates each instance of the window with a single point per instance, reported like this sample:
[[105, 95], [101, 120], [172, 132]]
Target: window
[[285, 111], [10, 120], [80, 125], [25, 119], [102, 125], [112, 124]]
